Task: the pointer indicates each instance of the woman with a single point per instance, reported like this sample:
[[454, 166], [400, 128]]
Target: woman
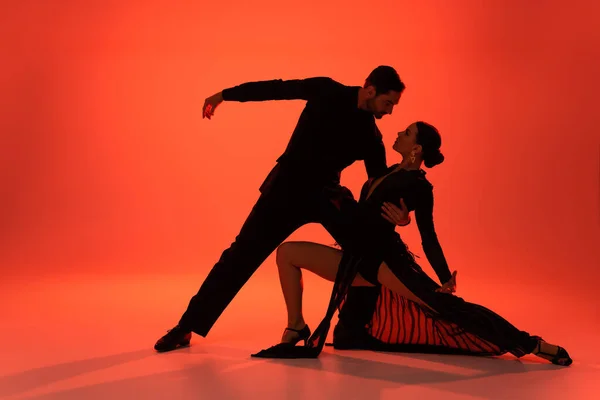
[[427, 317]]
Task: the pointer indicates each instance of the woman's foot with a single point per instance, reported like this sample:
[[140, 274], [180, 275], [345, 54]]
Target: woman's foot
[[292, 334], [555, 354]]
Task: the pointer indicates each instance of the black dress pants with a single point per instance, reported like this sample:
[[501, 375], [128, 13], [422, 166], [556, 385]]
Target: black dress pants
[[275, 216]]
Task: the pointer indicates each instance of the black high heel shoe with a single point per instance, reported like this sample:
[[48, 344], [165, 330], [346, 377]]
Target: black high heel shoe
[[561, 357], [289, 349], [303, 334]]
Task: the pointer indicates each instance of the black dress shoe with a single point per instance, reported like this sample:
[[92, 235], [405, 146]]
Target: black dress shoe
[[176, 337]]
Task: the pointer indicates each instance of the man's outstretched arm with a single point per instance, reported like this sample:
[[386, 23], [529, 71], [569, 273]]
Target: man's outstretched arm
[[277, 89]]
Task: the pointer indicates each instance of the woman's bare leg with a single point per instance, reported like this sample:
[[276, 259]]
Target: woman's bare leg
[[291, 258]]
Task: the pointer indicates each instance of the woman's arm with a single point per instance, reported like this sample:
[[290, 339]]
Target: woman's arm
[[429, 240]]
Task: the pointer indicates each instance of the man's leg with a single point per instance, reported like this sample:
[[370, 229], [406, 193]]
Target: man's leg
[[357, 310], [273, 218]]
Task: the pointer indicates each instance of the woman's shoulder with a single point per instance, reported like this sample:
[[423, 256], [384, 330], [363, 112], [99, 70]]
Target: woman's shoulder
[[417, 176], [422, 178], [417, 181], [425, 188]]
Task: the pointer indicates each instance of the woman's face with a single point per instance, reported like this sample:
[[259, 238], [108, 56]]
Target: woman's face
[[407, 140]]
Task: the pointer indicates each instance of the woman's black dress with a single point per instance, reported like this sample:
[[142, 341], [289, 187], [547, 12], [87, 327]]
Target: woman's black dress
[[453, 326]]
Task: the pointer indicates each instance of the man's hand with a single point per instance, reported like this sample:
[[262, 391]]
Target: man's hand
[[210, 104], [395, 215], [450, 286]]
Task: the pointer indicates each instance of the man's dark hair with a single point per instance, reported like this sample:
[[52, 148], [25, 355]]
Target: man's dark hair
[[385, 78]]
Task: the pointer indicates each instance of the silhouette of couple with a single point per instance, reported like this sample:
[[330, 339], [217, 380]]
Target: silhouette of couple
[[386, 301]]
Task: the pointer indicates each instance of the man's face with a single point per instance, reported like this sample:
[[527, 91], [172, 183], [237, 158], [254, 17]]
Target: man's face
[[383, 103]]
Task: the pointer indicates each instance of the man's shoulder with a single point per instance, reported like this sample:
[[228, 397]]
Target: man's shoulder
[[324, 79], [331, 92], [328, 82]]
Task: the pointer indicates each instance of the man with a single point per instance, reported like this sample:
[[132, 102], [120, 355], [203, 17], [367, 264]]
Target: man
[[335, 129]]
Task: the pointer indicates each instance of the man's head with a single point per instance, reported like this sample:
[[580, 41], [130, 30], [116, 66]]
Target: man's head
[[382, 91]]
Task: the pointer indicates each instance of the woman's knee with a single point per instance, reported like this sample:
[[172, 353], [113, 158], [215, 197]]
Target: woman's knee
[[285, 253]]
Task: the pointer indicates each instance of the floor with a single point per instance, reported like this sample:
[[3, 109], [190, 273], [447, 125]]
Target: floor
[[91, 337]]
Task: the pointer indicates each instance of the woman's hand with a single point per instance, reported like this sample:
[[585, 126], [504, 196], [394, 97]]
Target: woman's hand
[[450, 286], [395, 215]]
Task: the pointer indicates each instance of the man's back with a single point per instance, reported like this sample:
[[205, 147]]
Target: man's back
[[332, 132]]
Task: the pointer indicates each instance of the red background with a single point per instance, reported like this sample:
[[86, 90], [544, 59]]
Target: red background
[[106, 166]]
